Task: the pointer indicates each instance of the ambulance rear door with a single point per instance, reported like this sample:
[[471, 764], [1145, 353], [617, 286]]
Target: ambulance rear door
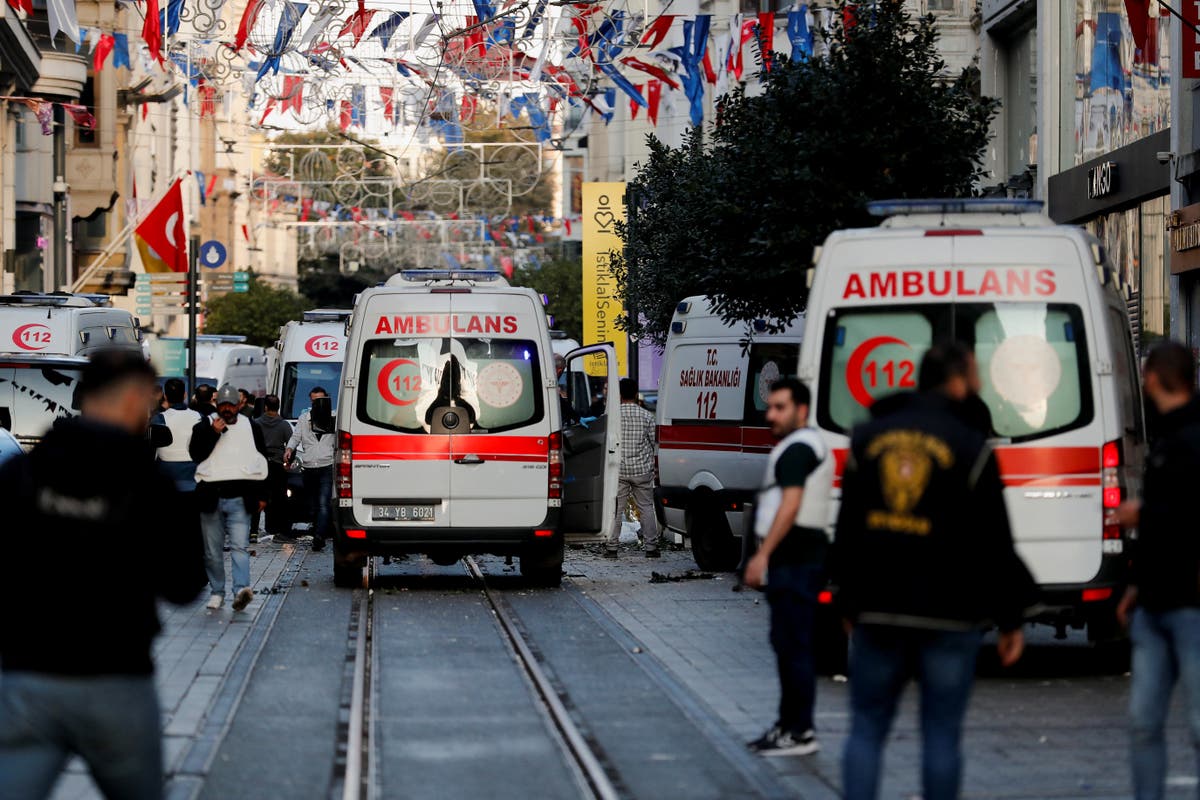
[[499, 368], [401, 469], [591, 447]]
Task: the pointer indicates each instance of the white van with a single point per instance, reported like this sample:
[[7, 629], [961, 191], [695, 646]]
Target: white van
[[713, 438], [449, 429], [222, 359], [65, 325], [44, 343], [1039, 304], [309, 353]]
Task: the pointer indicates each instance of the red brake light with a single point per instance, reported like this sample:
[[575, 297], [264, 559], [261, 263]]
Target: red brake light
[[954, 232], [356, 533], [825, 598], [1111, 455], [1096, 595], [554, 469], [344, 468], [543, 533]]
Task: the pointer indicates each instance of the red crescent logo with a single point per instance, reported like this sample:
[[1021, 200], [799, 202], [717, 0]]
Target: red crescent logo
[[384, 382], [858, 359], [322, 346], [33, 336]]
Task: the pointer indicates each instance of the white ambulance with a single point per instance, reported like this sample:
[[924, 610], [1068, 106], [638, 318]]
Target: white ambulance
[[1040, 305], [713, 438], [221, 359], [309, 353], [44, 343], [450, 438]]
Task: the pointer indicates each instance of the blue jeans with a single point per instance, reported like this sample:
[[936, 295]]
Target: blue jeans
[[792, 591], [882, 660], [110, 721], [318, 487], [1166, 650], [229, 518]]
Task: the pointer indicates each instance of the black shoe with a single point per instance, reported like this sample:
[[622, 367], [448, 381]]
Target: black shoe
[[653, 553], [318, 544], [778, 742], [610, 553], [254, 538]]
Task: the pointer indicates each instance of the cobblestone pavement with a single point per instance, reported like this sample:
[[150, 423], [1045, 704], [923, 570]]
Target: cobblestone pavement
[[1053, 728]]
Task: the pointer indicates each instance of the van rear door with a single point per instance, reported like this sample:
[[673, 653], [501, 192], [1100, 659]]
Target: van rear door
[[401, 470], [499, 463], [591, 448]]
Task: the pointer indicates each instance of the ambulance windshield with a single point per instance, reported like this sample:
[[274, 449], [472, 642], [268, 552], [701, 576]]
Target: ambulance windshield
[[405, 379], [301, 377], [1032, 360]]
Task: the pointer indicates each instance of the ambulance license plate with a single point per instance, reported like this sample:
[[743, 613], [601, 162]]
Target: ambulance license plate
[[403, 514]]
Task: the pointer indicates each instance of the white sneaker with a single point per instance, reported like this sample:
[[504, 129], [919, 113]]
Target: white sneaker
[[216, 601]]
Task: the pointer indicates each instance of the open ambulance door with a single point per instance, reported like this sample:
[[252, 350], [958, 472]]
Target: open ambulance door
[[591, 444]]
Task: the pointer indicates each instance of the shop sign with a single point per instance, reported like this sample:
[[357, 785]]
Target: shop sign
[[1102, 180], [1183, 226]]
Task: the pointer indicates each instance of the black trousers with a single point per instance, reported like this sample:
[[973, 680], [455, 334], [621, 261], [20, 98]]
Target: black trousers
[[278, 518]]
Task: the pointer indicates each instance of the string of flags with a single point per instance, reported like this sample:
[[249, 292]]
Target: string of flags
[[609, 52]]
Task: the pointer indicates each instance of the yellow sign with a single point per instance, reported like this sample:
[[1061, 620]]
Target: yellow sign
[[603, 206]]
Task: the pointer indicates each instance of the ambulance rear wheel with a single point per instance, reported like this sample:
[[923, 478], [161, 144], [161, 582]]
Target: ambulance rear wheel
[[542, 565], [713, 545], [347, 568]]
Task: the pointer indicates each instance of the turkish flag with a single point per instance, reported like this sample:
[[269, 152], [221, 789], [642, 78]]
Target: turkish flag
[[163, 230]]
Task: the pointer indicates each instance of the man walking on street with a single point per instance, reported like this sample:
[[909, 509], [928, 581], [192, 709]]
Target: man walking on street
[[231, 483], [1162, 604], [637, 471], [175, 458], [314, 436], [790, 524], [77, 668], [276, 433], [923, 562]]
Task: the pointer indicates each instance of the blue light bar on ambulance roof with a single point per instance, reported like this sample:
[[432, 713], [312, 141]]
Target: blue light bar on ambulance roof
[[972, 205], [450, 274]]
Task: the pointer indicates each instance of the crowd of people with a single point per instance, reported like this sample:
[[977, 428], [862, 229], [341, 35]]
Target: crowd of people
[[921, 563]]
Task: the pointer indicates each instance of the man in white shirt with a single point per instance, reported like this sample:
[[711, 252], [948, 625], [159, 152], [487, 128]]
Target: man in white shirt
[[314, 440]]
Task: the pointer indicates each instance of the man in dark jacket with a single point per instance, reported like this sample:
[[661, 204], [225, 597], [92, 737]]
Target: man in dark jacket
[[231, 484], [1162, 603], [77, 668], [203, 403], [923, 562], [276, 433]]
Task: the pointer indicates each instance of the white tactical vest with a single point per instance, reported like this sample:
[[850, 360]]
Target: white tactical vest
[[815, 508], [180, 421], [235, 458]]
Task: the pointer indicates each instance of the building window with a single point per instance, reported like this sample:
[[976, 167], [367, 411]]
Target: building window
[[91, 232], [87, 98], [1020, 101], [940, 6]]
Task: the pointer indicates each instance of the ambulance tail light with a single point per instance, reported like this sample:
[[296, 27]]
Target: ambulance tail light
[[954, 232], [343, 474], [1111, 488], [554, 464]]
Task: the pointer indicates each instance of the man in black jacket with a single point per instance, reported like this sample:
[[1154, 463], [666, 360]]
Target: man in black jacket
[[923, 562], [231, 484], [1162, 604], [77, 669]]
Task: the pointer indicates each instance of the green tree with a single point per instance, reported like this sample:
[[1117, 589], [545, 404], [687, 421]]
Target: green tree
[[737, 217], [256, 313], [562, 281]]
